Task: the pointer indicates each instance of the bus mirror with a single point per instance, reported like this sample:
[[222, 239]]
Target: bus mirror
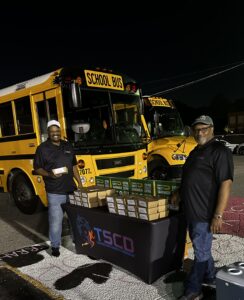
[[187, 130], [81, 128], [76, 95]]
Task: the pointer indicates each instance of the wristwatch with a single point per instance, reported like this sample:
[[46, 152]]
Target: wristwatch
[[218, 216]]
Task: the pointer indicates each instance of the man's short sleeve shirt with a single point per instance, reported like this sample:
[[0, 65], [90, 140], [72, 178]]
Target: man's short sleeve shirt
[[49, 156], [203, 172]]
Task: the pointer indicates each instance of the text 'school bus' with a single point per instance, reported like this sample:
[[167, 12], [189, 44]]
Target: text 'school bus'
[[170, 142], [99, 112]]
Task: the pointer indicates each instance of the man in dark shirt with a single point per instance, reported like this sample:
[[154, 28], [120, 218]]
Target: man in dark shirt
[[204, 193], [54, 154]]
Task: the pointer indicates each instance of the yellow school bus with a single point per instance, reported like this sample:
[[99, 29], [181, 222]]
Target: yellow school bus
[[170, 142], [94, 108]]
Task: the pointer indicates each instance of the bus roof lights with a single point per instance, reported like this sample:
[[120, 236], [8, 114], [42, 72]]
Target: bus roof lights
[[131, 87]]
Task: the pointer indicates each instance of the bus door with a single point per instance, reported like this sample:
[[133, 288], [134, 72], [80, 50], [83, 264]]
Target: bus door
[[46, 109]]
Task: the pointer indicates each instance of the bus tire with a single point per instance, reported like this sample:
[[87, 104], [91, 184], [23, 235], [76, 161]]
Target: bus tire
[[158, 169], [24, 195]]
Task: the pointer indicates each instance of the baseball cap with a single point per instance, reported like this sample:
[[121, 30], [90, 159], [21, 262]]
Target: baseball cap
[[203, 120], [53, 122]]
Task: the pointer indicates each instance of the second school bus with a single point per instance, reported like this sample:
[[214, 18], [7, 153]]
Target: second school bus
[[170, 143], [94, 109]]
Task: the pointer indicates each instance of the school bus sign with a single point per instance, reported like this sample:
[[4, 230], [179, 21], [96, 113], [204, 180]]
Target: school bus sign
[[104, 80], [158, 101]]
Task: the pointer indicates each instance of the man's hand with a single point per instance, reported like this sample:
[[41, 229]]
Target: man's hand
[[54, 176], [216, 225], [174, 200], [79, 185]]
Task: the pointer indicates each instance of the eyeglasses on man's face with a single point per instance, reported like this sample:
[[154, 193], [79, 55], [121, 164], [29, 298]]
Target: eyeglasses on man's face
[[202, 129]]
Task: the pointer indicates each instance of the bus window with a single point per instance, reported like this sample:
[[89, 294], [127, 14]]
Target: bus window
[[46, 110], [6, 119], [23, 115], [93, 110], [126, 116], [42, 118], [52, 109]]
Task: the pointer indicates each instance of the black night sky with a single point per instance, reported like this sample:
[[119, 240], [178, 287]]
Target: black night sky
[[161, 45]]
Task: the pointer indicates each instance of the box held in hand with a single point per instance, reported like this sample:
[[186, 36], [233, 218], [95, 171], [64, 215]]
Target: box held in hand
[[60, 171]]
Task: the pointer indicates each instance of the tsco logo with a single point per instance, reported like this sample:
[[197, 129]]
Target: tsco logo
[[115, 241]]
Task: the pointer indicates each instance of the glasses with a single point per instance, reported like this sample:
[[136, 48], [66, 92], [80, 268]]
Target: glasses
[[203, 129]]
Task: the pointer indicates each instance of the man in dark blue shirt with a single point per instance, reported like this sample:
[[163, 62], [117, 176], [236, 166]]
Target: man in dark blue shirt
[[50, 155], [204, 193]]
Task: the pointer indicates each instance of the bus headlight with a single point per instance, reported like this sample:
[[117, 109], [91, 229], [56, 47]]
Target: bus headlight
[[145, 169], [83, 179], [91, 180]]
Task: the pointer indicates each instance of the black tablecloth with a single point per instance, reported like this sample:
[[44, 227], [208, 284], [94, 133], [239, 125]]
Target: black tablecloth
[[147, 249]]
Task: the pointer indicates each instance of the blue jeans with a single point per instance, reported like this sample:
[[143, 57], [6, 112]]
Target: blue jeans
[[203, 265], [55, 217]]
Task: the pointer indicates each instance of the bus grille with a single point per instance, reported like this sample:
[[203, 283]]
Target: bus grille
[[115, 162], [125, 174]]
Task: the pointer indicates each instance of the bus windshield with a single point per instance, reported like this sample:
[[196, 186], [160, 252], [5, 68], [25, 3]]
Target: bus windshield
[[163, 121], [100, 118]]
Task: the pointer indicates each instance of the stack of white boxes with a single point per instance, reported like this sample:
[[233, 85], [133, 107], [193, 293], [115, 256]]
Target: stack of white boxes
[[142, 207], [90, 197]]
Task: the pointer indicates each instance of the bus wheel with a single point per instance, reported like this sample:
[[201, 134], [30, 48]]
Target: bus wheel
[[23, 194], [158, 170]]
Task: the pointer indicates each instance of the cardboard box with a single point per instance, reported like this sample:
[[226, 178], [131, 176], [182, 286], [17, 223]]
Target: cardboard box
[[121, 206], [91, 204], [163, 214], [112, 205], [111, 199], [122, 212], [78, 200], [133, 199], [120, 200], [162, 201], [149, 211], [142, 187], [89, 200], [103, 181], [132, 208], [58, 171], [112, 210], [121, 185], [77, 193], [149, 217], [148, 202], [165, 188], [102, 202], [110, 192], [86, 193], [132, 214], [163, 208]]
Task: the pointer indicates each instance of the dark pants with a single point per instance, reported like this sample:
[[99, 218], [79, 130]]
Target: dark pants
[[203, 265]]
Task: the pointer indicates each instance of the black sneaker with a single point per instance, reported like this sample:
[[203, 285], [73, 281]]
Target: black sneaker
[[55, 252], [192, 296]]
